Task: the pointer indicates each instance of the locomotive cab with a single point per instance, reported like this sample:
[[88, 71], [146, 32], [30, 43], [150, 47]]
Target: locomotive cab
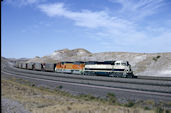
[[124, 68]]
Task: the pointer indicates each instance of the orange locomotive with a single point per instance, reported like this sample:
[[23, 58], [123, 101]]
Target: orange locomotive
[[78, 67], [70, 67], [59, 67]]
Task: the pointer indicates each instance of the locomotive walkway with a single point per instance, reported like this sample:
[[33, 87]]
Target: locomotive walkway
[[144, 88]]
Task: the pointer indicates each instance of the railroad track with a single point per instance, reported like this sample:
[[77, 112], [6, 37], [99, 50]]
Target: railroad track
[[140, 80], [153, 86]]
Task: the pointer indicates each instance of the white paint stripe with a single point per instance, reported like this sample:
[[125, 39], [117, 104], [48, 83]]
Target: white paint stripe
[[101, 87]]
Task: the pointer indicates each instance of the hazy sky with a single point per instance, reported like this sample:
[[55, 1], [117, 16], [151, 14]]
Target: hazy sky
[[38, 27]]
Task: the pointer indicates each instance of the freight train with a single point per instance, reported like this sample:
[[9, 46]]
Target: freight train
[[106, 68]]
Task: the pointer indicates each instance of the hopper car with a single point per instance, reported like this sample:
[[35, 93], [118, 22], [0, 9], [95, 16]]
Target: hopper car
[[106, 68], [20, 65], [17, 64], [30, 65], [24, 65], [38, 66], [49, 67]]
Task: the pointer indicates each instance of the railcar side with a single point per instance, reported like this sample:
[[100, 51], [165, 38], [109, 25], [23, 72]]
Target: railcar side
[[30, 65], [20, 65], [49, 67], [17, 64], [24, 65], [38, 66]]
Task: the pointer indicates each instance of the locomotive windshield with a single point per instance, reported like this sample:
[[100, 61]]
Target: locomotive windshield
[[122, 63]]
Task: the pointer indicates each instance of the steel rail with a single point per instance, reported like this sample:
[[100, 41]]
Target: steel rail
[[92, 86]]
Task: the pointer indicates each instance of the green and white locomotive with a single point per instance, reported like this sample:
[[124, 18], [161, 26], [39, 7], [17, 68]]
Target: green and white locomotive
[[109, 68]]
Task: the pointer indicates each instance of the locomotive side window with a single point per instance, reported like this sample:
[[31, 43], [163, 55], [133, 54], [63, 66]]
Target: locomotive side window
[[124, 64]]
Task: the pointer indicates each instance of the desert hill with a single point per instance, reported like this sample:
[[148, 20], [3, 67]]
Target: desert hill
[[153, 64]]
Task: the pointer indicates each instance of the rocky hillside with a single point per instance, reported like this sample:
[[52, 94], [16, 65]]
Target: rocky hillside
[[63, 55], [152, 64]]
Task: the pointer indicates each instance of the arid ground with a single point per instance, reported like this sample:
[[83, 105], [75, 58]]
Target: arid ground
[[42, 100]]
